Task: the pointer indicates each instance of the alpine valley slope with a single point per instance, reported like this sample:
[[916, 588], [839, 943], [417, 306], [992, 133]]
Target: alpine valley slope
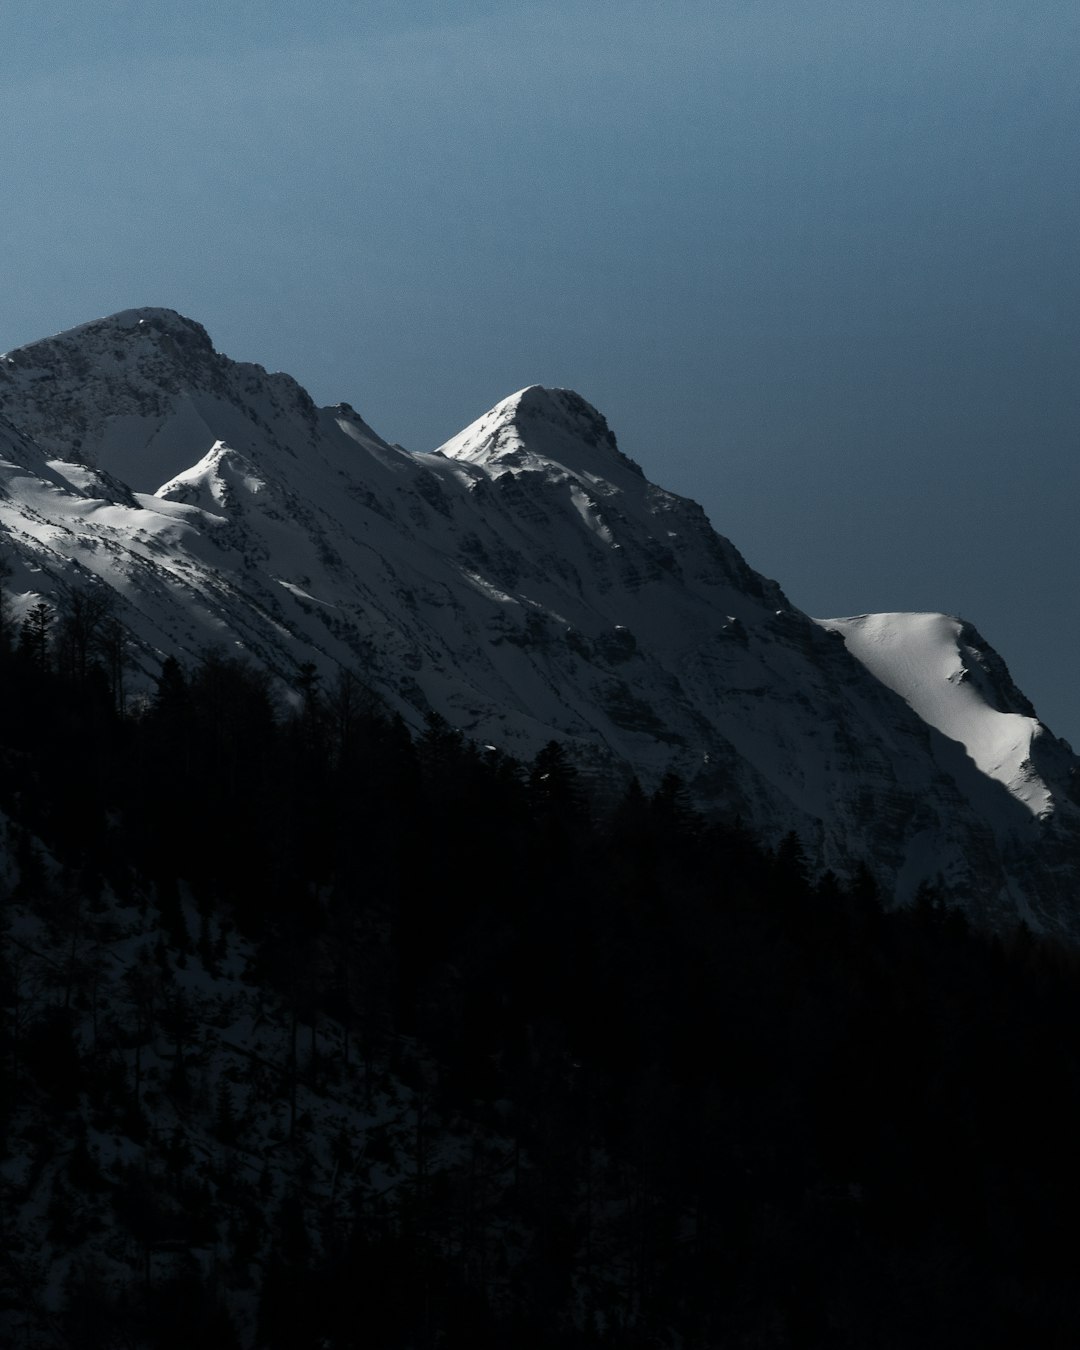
[[527, 582]]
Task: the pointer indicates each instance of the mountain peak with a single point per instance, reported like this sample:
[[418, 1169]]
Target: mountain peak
[[144, 324], [151, 321], [565, 407], [540, 424], [143, 394]]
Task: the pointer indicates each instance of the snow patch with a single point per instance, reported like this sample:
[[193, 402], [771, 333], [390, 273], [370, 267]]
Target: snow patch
[[920, 657]]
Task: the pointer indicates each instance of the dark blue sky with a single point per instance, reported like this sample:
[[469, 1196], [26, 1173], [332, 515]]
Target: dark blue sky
[[818, 264]]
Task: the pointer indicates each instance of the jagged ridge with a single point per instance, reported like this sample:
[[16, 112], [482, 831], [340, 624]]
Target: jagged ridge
[[525, 580]]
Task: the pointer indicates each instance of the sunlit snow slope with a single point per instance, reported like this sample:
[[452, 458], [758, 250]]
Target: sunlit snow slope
[[526, 581], [941, 668]]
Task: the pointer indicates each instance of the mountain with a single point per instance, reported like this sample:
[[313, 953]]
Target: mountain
[[527, 582]]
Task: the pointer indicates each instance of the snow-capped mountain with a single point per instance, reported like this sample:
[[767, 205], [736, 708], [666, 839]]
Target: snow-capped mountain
[[526, 581]]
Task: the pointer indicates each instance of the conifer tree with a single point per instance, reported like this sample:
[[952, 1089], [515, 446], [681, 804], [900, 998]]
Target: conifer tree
[[554, 787], [35, 635]]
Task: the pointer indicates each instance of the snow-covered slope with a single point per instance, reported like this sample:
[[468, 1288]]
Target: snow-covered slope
[[526, 581], [943, 670]]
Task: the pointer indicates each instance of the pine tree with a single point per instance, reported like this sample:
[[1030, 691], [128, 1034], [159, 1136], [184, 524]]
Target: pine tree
[[672, 812], [554, 788], [35, 635]]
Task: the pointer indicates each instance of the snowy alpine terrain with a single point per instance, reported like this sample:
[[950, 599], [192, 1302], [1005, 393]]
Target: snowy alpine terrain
[[527, 582]]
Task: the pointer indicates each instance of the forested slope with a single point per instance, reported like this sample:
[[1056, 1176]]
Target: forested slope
[[318, 1034]]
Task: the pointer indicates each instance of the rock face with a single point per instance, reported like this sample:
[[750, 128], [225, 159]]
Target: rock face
[[526, 581]]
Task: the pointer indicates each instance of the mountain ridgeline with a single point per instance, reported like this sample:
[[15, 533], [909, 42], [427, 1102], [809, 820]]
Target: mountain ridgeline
[[527, 583]]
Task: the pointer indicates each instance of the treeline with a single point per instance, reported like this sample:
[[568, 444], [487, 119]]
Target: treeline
[[742, 1106]]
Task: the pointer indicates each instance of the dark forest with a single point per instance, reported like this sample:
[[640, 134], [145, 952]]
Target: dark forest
[[654, 1083]]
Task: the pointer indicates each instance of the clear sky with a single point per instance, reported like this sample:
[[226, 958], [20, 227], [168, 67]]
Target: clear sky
[[819, 264]]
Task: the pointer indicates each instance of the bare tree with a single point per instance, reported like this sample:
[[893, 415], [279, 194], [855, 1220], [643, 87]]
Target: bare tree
[[82, 620]]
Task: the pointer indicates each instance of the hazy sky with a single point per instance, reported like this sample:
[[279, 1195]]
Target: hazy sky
[[819, 264]]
